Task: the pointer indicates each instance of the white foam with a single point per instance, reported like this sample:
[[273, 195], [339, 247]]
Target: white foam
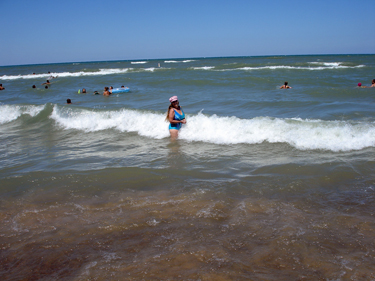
[[27, 76], [332, 64], [176, 61], [302, 134], [9, 113], [101, 72], [107, 71], [153, 222], [138, 62], [325, 67], [276, 67], [203, 68], [144, 123]]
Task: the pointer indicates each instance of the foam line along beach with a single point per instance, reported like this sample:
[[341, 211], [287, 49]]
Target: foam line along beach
[[263, 183]]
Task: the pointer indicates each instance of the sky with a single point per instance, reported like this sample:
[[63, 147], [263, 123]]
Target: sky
[[38, 32]]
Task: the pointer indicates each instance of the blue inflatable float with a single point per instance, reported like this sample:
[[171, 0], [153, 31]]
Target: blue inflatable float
[[120, 90]]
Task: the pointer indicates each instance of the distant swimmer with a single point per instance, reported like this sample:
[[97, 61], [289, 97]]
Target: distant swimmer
[[46, 87], [372, 83], [46, 83], [106, 92], [122, 86], [96, 93], [34, 87], [1, 87], [175, 116], [360, 86], [285, 86], [83, 91], [68, 101], [110, 89]]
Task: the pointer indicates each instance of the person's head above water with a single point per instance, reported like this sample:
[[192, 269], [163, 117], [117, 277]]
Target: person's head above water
[[359, 84], [173, 99], [68, 101], [285, 83]]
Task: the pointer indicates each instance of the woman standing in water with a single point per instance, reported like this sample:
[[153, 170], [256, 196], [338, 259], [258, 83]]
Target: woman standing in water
[[175, 116]]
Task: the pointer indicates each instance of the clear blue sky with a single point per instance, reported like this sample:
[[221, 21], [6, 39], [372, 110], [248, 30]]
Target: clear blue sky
[[41, 31]]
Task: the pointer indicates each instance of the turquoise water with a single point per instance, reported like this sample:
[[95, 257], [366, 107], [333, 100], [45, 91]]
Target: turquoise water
[[262, 183]]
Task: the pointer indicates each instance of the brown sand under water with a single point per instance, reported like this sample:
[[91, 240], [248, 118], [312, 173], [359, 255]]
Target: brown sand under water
[[182, 234]]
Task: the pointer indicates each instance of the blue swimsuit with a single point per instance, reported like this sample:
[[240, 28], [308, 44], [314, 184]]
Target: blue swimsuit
[[177, 116]]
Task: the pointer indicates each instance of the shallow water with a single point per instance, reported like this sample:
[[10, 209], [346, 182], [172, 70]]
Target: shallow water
[[263, 184]]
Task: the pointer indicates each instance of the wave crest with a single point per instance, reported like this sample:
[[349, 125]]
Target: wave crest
[[9, 113], [301, 134]]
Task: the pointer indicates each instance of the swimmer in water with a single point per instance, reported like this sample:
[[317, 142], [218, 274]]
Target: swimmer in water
[[106, 92], [285, 86], [360, 86], [68, 101], [1, 87], [175, 116], [372, 83], [46, 83]]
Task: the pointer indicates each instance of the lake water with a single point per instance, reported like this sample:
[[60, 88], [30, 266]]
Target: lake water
[[262, 184]]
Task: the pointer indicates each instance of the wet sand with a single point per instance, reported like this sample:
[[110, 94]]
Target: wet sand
[[154, 226]]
